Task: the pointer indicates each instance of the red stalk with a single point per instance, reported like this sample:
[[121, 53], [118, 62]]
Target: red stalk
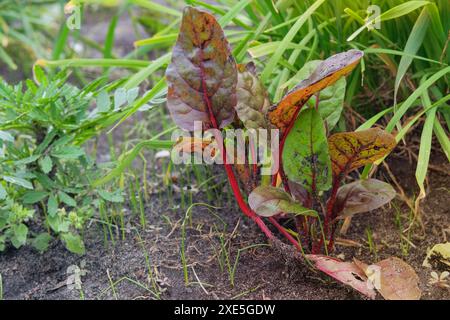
[[285, 233], [229, 170], [329, 217]]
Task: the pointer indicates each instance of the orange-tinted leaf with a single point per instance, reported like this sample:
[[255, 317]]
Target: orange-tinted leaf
[[351, 150], [202, 75], [253, 99], [327, 73], [398, 280], [191, 145], [346, 272]]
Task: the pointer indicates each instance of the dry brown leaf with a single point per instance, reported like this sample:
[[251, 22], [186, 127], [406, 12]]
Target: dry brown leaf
[[346, 272], [398, 280]]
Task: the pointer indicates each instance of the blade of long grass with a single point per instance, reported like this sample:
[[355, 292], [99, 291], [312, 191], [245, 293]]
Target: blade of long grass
[[274, 60], [401, 134], [442, 137], [413, 44], [127, 158], [143, 74], [401, 53], [234, 11], [239, 50], [268, 48], [157, 39], [425, 145], [124, 63], [7, 59], [416, 94], [60, 42], [153, 6], [395, 12], [215, 9]]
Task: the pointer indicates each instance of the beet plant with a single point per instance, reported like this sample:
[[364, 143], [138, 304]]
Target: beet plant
[[205, 84]]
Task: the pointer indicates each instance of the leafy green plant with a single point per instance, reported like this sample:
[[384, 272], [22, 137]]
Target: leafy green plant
[[43, 167], [203, 85]]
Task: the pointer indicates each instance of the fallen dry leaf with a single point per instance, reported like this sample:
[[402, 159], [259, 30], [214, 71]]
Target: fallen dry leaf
[[346, 272], [398, 280]]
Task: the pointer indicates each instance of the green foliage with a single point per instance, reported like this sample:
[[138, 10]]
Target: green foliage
[[305, 154], [45, 173], [310, 160]]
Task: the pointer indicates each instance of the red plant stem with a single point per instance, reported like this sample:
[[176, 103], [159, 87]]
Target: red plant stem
[[285, 233], [229, 170], [243, 205], [329, 216]]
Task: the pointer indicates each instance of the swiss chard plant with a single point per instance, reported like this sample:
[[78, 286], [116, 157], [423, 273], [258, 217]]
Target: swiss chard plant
[[308, 189]]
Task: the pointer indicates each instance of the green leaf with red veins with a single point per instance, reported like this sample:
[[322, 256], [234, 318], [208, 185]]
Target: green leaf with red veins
[[305, 153], [253, 99], [362, 196], [202, 75], [268, 201]]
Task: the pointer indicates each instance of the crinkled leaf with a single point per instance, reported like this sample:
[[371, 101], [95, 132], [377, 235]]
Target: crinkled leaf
[[42, 241], [326, 74], [202, 75], [19, 237], [398, 280], [252, 98], [346, 272], [305, 153], [438, 257], [268, 201], [331, 98], [362, 196], [73, 243], [351, 150]]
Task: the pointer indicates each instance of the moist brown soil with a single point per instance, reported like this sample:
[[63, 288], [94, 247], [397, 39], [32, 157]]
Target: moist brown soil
[[260, 272]]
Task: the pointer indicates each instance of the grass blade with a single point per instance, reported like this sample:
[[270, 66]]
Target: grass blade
[[288, 39]]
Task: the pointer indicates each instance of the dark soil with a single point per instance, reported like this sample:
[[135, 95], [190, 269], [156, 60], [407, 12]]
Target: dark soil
[[260, 272]]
